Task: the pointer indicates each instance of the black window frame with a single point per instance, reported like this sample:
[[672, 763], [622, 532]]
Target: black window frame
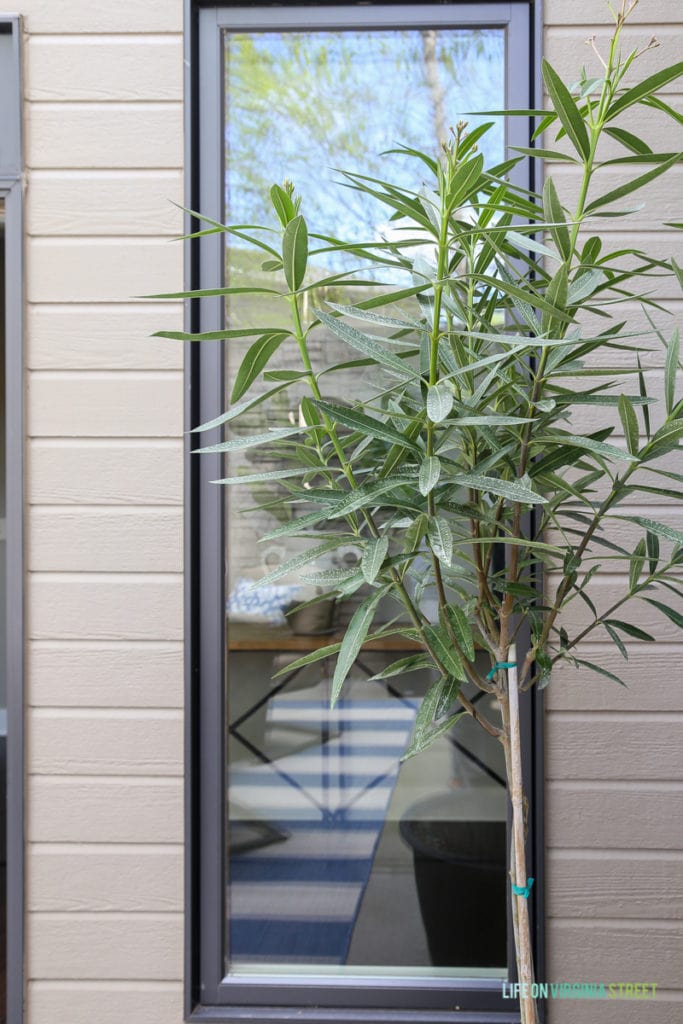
[[11, 193], [275, 999]]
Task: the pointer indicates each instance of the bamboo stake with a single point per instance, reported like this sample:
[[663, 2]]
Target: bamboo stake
[[525, 965]]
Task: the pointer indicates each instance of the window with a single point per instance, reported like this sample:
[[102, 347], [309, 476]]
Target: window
[[311, 870], [11, 540]]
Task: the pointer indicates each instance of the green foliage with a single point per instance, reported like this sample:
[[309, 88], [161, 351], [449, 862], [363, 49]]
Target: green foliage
[[459, 464]]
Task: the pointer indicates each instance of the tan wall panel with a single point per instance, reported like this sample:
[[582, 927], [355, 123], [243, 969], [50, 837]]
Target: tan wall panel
[[613, 951], [99, 337], [594, 815], [111, 135], [81, 404], [103, 270], [605, 592], [607, 885], [567, 51], [125, 68], [590, 13], [111, 742], [665, 1008], [81, 946], [647, 674], [660, 197], [104, 810], [611, 746], [98, 540], [141, 607], [86, 879], [63, 673], [104, 203], [61, 16], [109, 473], [654, 127], [82, 1002]]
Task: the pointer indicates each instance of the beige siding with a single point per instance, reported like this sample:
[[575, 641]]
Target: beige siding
[[103, 115], [614, 800], [104, 144]]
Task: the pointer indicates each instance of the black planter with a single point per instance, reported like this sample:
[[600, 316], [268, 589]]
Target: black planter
[[460, 872]]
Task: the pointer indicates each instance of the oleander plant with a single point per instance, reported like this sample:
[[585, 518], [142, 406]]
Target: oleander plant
[[501, 423]]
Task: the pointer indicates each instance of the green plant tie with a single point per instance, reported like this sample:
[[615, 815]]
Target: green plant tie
[[523, 890], [500, 664]]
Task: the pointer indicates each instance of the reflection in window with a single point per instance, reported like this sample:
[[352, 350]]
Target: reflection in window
[[341, 857]]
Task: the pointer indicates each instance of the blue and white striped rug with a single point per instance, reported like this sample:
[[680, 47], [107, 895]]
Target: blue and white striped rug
[[294, 896]]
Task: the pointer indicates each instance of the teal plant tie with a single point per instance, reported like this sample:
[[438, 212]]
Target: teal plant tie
[[500, 664], [523, 890]]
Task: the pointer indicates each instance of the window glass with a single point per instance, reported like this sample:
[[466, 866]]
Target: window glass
[[340, 857]]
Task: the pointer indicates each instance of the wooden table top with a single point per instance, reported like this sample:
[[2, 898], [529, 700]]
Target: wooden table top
[[247, 636]]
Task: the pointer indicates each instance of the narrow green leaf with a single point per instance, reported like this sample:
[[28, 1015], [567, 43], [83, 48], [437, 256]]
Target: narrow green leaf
[[600, 670], [368, 316], [224, 335], [652, 546], [554, 215], [510, 489], [618, 641], [588, 444], [255, 359], [629, 423], [295, 563], [441, 646], [659, 529], [636, 565], [367, 425], [663, 440], [670, 372], [440, 399], [413, 663], [567, 111], [426, 730], [644, 89], [253, 441], [374, 554], [556, 295], [671, 613], [642, 387], [461, 630], [354, 638], [257, 478], [630, 630], [295, 252], [583, 286], [628, 140], [430, 471], [634, 184], [441, 539], [365, 344], [282, 204]]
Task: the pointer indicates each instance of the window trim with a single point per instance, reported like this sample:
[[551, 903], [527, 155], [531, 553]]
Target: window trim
[[11, 192], [207, 997]]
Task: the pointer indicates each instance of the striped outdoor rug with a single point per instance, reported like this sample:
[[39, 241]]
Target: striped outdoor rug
[[294, 894]]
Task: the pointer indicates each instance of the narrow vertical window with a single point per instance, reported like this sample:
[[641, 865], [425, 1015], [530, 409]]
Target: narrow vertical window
[[340, 857]]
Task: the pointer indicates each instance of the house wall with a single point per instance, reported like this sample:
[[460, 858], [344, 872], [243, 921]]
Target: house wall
[[104, 148], [103, 114], [614, 766]]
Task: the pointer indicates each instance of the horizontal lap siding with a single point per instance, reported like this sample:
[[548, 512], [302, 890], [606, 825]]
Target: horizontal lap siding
[[614, 776], [104, 144]]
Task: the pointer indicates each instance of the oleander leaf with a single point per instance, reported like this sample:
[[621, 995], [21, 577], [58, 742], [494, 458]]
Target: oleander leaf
[[354, 638], [430, 471], [566, 109], [295, 252], [373, 556], [253, 362]]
